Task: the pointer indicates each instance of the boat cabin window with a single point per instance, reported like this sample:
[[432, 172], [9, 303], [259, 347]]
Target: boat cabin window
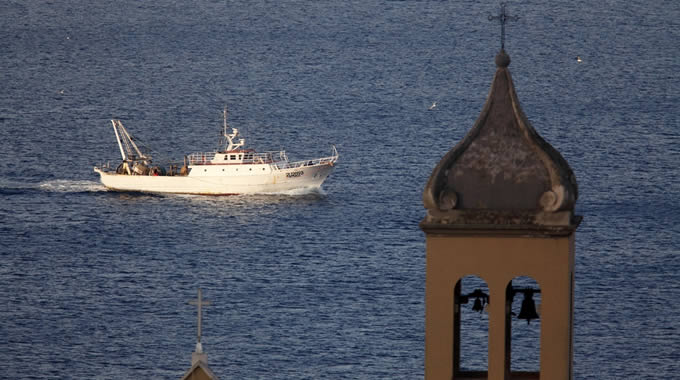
[[233, 157]]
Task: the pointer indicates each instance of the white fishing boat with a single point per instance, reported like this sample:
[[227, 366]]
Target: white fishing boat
[[229, 170]]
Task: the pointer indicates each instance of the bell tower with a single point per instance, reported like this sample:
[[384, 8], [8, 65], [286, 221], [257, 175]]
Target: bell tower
[[500, 206]]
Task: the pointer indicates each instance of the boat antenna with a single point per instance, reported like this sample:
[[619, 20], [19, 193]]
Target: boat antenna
[[224, 140], [224, 113]]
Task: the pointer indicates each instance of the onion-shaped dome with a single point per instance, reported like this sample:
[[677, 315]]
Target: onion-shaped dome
[[502, 172]]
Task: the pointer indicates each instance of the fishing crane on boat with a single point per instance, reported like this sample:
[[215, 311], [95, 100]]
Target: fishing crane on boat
[[128, 149], [133, 158]]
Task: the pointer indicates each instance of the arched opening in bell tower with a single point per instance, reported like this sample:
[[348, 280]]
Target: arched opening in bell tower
[[523, 326], [470, 326]]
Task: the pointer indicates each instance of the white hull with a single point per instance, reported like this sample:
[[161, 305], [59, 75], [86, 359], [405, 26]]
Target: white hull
[[222, 180]]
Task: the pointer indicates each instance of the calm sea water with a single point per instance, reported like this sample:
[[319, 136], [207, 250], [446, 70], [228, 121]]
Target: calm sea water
[[329, 284]]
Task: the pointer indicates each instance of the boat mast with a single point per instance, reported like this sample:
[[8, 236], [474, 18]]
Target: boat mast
[[224, 116], [226, 141]]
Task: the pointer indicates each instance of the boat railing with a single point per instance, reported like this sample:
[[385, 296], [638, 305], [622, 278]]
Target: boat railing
[[104, 166], [266, 157], [278, 159], [202, 158], [330, 160]]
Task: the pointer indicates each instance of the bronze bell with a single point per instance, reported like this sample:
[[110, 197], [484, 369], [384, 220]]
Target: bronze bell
[[478, 305], [528, 310]]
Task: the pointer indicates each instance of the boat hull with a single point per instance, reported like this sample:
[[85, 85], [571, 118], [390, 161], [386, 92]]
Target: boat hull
[[216, 180]]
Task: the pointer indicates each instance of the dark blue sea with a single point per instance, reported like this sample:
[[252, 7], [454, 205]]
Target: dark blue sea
[[328, 284]]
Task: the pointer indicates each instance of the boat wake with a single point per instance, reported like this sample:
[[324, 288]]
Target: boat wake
[[52, 186], [293, 193], [71, 186], [299, 192]]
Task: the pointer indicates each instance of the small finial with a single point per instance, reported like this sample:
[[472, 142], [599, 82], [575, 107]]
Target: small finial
[[502, 59], [503, 17]]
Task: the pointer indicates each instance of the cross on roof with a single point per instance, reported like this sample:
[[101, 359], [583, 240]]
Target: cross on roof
[[503, 17], [200, 303]]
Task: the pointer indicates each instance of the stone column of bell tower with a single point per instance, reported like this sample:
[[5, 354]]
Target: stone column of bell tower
[[500, 204]]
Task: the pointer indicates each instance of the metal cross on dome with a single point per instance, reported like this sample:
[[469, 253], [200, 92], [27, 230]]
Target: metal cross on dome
[[200, 303], [503, 17]]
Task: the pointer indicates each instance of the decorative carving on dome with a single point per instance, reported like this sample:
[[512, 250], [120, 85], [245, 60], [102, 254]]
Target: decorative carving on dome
[[447, 199], [552, 200]]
